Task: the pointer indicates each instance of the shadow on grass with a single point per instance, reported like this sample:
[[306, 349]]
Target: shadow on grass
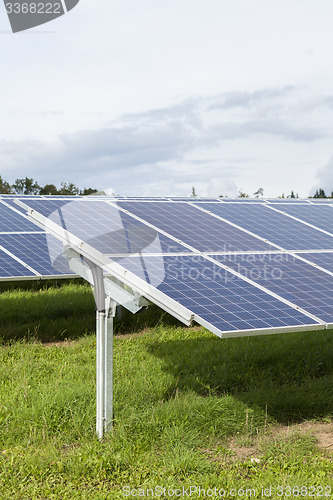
[[61, 310], [289, 376]]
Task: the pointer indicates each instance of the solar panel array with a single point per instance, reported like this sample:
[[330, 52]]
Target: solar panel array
[[24, 247], [238, 266]]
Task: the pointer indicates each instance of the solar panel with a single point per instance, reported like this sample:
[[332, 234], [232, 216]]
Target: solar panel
[[33, 249], [296, 281], [136, 237], [10, 268], [321, 259], [286, 201], [25, 247], [12, 221], [219, 299], [320, 200], [192, 199], [242, 200], [115, 233], [194, 227], [321, 216], [273, 226]]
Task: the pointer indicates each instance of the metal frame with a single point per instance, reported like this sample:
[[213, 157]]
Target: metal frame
[[104, 367], [38, 278]]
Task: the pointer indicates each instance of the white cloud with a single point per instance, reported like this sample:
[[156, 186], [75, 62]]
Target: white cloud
[[324, 178], [155, 97], [222, 187], [208, 142]]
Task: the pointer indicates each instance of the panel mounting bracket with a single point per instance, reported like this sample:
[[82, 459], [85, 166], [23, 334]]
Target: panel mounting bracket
[[123, 295], [108, 294]]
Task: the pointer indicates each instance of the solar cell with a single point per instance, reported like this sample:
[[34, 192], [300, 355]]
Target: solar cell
[[273, 226], [106, 228], [33, 249], [12, 221], [290, 278], [322, 259], [194, 227], [318, 215], [223, 300], [11, 268], [27, 244]]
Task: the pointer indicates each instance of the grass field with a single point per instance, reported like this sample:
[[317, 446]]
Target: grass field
[[191, 410]]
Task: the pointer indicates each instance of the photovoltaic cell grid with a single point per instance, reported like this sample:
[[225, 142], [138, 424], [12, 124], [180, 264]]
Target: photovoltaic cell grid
[[220, 298], [292, 279], [11, 221], [24, 247], [319, 216], [102, 226], [9, 267], [273, 226], [194, 227], [321, 259], [259, 295]]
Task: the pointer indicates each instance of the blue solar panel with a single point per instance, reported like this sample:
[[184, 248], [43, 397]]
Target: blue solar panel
[[290, 278], [11, 203], [11, 268], [322, 259], [222, 299], [273, 226], [11, 221], [33, 249], [192, 199], [321, 200], [194, 227], [106, 228], [242, 200], [215, 296], [44, 206], [30, 244], [289, 201], [319, 215]]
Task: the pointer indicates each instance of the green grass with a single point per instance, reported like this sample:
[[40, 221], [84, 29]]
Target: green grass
[[60, 310], [186, 404]]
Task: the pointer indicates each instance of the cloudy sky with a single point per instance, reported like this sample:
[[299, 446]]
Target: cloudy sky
[[152, 97]]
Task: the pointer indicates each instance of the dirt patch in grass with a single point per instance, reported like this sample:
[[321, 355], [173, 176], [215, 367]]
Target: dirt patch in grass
[[322, 432], [251, 448]]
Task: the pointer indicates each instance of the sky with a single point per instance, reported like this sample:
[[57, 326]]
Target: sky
[[153, 97]]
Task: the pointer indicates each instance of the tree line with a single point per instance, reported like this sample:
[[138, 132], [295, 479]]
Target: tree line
[[31, 187], [320, 193]]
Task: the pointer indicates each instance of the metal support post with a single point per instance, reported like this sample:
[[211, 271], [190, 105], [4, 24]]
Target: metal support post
[[105, 312], [100, 321], [108, 370], [104, 368]]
